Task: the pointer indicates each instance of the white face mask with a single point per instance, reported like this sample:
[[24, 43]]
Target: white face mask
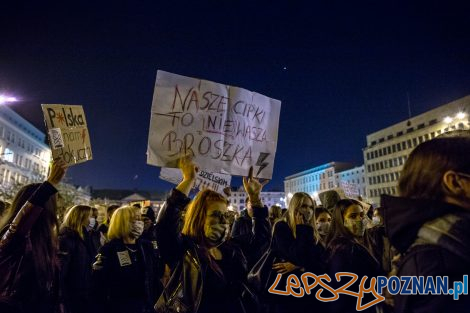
[[91, 222], [137, 227], [375, 220], [216, 234], [323, 228]]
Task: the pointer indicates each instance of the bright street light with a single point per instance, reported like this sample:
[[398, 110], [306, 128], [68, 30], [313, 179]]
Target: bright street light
[[448, 120], [290, 195], [460, 115], [5, 99]]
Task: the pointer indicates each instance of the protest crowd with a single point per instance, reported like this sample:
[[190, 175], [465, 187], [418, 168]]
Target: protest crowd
[[193, 257]]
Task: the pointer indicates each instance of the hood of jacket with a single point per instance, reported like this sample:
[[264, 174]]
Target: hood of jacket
[[403, 217]]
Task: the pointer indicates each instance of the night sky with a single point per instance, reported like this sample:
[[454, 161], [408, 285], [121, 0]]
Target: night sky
[[341, 69]]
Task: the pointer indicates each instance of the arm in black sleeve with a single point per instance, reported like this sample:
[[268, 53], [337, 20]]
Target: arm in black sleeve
[[27, 215], [261, 230], [293, 249], [65, 255], [168, 234], [101, 279]]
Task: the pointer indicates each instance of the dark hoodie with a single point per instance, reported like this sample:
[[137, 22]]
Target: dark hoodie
[[434, 240]]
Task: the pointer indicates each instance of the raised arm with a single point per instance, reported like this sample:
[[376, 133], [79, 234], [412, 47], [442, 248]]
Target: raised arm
[[30, 211], [169, 238], [261, 230]]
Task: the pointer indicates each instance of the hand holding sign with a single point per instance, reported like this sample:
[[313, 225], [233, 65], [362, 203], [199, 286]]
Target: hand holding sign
[[57, 172], [189, 170], [68, 133]]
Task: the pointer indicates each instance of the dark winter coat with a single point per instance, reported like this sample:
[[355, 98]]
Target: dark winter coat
[[76, 258], [253, 235], [303, 252], [125, 280], [434, 240], [346, 255], [19, 286]]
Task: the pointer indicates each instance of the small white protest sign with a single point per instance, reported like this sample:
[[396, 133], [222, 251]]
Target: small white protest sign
[[226, 129], [204, 179], [350, 189], [68, 132]]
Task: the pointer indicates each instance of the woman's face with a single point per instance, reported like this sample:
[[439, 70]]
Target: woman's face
[[323, 218], [215, 225], [323, 223], [306, 209], [354, 220]]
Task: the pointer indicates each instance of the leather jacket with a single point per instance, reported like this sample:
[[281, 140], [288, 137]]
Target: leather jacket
[[190, 266]]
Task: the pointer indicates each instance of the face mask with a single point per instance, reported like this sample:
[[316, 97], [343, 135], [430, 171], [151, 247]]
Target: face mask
[[323, 228], [216, 234], [92, 222], [137, 227], [375, 220], [306, 213], [357, 228]]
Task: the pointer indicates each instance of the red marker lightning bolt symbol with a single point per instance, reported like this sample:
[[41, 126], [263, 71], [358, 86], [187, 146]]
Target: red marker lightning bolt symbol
[[83, 135]]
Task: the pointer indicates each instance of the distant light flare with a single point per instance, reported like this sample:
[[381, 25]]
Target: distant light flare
[[461, 115], [5, 99]]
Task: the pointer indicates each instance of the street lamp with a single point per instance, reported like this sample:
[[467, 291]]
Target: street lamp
[[448, 120], [460, 115], [5, 99]]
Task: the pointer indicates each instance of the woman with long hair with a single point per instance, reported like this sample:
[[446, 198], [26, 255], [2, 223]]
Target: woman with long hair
[[76, 257], [207, 271], [350, 250], [429, 223], [124, 277], [295, 245], [28, 248]]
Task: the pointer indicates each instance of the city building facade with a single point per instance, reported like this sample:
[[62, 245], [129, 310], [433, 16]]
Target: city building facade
[[24, 155], [388, 149], [352, 182], [325, 177], [238, 196]]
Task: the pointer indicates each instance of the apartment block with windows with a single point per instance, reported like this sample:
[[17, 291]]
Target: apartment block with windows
[[24, 156], [269, 198], [388, 149], [318, 179]]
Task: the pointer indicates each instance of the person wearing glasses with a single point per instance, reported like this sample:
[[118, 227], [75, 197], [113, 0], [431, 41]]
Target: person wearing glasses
[[207, 271], [429, 223]]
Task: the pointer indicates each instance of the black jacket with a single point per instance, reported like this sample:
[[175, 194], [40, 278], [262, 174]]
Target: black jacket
[[345, 255], [200, 288], [423, 254], [302, 251], [19, 286], [124, 279], [253, 235], [76, 258]]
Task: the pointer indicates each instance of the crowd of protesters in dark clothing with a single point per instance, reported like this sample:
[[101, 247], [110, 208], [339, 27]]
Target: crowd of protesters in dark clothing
[[194, 257]]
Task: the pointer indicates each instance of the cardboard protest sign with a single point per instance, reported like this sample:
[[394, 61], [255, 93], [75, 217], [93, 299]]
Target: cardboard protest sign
[[226, 129], [68, 132], [204, 179]]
